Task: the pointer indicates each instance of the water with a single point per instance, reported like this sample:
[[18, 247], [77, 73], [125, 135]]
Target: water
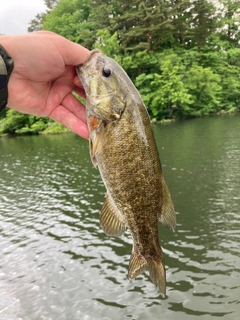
[[56, 262]]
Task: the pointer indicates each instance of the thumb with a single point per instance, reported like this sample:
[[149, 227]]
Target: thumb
[[72, 53]]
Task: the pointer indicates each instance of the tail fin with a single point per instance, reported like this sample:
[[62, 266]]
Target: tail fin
[[155, 265]]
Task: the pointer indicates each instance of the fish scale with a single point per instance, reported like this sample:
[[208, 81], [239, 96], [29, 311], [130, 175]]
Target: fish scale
[[123, 147]]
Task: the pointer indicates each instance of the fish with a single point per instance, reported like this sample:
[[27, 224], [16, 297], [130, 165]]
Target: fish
[[123, 147]]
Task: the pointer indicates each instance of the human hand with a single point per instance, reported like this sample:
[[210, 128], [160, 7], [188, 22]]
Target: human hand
[[44, 78]]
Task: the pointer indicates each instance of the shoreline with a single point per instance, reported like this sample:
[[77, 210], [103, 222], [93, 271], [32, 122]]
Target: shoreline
[[163, 122]]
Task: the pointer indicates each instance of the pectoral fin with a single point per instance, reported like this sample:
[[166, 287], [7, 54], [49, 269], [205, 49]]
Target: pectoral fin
[[96, 129], [94, 147], [112, 221], [167, 216]]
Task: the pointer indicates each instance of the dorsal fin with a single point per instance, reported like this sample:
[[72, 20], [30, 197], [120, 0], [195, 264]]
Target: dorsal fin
[[167, 216]]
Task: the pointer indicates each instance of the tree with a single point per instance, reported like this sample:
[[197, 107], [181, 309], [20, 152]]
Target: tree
[[107, 43], [51, 3], [163, 91], [204, 86], [141, 25], [230, 22], [37, 23], [70, 19], [202, 22], [183, 55], [182, 32]]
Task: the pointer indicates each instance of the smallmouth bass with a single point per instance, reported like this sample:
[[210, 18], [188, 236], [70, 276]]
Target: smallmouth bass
[[123, 147]]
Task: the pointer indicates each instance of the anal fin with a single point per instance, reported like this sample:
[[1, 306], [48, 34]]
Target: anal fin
[[112, 220]]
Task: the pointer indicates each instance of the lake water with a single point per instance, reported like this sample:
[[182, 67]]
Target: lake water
[[56, 262]]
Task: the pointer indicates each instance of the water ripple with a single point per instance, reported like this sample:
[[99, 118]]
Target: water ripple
[[56, 262]]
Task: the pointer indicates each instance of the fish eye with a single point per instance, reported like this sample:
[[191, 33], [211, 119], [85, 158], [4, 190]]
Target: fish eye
[[106, 72]]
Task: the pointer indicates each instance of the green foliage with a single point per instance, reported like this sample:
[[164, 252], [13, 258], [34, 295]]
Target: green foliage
[[108, 43], [230, 22], [17, 123], [204, 21], [164, 92], [230, 83], [55, 127], [70, 19], [205, 89], [183, 55], [14, 122], [37, 23]]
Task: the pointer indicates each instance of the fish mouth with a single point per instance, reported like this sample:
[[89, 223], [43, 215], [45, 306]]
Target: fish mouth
[[89, 63]]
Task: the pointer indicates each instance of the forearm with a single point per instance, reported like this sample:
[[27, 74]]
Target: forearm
[[6, 67]]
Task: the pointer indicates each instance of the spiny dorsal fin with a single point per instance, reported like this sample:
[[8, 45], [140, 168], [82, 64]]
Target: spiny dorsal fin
[[167, 216], [112, 221]]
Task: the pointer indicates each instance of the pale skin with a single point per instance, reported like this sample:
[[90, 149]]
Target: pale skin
[[44, 78]]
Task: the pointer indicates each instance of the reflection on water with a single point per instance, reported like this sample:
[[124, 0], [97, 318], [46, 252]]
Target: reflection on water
[[56, 262]]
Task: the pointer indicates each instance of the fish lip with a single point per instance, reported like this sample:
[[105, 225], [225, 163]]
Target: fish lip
[[78, 66], [78, 70], [87, 63], [91, 54], [89, 58]]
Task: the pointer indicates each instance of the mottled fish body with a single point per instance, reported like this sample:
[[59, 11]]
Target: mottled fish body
[[123, 147]]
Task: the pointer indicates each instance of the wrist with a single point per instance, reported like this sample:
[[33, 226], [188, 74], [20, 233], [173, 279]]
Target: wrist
[[6, 67]]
